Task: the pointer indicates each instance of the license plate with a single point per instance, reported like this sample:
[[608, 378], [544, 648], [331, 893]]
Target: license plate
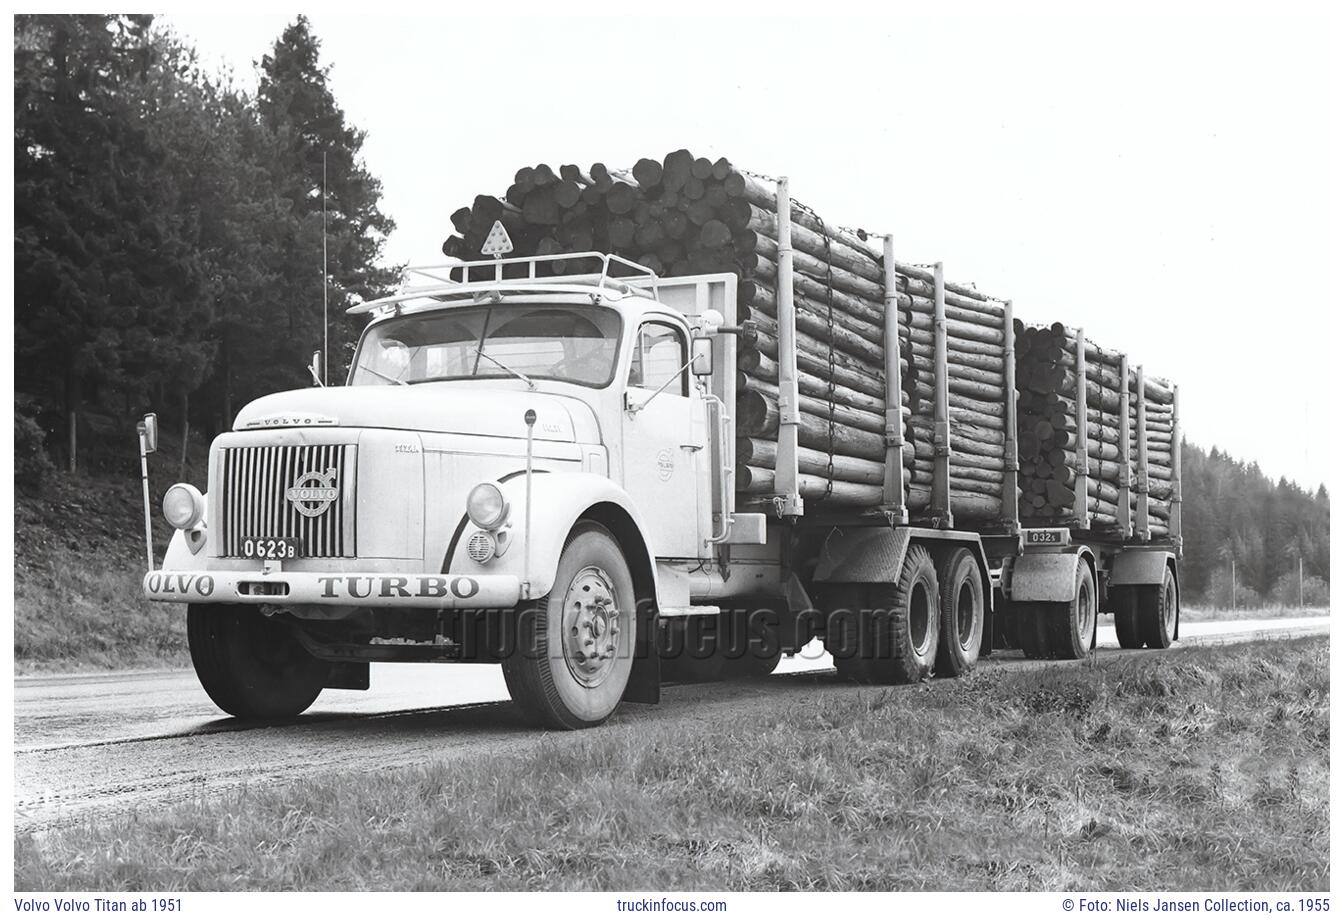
[[271, 548], [1046, 537]]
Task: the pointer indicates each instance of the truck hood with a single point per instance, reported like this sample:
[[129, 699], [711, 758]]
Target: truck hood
[[435, 407]]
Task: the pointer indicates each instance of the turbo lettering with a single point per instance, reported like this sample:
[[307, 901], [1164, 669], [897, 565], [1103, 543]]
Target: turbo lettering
[[397, 584], [328, 584], [433, 586], [464, 587], [352, 582]]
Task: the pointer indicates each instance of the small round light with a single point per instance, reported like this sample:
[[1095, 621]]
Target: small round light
[[486, 506], [183, 506], [480, 547]]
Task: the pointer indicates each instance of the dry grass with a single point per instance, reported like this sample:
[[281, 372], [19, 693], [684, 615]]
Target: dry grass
[[79, 555], [1199, 769], [1277, 611]]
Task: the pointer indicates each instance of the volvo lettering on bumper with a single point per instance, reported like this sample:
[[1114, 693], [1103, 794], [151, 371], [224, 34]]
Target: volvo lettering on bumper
[[429, 590]]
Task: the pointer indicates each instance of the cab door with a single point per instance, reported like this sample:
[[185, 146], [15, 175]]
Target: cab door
[[662, 440]]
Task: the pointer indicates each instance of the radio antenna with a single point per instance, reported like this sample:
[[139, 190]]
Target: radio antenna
[[325, 327]]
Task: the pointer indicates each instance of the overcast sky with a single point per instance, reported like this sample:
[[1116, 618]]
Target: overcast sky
[[1163, 182]]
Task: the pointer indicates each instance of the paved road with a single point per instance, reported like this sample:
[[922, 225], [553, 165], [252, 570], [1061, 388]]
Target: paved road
[[87, 745]]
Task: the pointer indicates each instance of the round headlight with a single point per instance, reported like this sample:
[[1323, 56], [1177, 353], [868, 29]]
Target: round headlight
[[183, 506], [486, 506]]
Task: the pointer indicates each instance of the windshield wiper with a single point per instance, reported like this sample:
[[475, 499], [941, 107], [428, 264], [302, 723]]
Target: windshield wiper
[[519, 374], [365, 367]]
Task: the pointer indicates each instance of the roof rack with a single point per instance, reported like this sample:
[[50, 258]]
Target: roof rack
[[451, 280]]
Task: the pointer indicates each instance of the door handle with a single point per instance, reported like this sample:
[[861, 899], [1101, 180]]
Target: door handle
[[692, 447]]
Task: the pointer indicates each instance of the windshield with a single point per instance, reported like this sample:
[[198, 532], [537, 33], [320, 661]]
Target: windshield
[[543, 341]]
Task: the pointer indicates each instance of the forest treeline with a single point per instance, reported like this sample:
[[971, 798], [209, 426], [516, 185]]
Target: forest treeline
[[169, 230], [168, 246]]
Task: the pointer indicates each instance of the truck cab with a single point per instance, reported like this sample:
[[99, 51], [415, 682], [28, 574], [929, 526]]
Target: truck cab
[[525, 467]]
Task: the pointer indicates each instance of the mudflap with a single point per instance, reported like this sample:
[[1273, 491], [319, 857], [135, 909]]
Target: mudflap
[[646, 675], [348, 675]]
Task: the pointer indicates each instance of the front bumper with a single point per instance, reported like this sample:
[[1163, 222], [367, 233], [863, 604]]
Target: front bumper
[[432, 591]]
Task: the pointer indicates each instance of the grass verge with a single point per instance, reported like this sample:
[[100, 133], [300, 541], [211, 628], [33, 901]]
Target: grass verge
[[1196, 769], [79, 555], [1202, 614]]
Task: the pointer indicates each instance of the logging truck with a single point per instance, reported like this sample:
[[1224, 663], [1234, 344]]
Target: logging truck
[[539, 467]]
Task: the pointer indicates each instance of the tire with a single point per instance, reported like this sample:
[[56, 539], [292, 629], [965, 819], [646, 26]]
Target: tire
[[591, 602], [1125, 601], [905, 624], [961, 613], [750, 646], [1159, 610], [843, 631], [252, 666], [1073, 626], [1033, 629]]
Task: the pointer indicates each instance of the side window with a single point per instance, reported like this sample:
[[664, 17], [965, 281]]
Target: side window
[[660, 353]]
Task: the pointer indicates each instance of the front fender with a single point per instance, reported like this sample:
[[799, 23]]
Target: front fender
[[559, 500]]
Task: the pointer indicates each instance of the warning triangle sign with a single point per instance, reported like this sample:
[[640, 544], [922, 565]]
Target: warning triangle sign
[[497, 242]]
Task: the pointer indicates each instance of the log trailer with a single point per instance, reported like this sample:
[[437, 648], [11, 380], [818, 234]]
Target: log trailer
[[539, 469]]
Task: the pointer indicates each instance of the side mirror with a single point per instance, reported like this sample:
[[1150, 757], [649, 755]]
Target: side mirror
[[148, 429], [702, 356], [315, 368]]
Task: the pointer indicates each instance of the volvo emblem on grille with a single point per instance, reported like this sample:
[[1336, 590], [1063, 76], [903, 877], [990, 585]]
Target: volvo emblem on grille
[[313, 493]]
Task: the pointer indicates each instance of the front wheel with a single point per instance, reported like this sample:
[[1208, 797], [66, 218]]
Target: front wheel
[[575, 646], [251, 665]]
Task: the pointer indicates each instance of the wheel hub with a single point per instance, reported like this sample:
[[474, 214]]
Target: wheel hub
[[591, 625]]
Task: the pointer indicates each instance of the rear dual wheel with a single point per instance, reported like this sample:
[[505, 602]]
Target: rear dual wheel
[[930, 620]]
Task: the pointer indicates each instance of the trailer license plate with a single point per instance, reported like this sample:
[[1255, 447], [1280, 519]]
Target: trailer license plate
[[271, 548], [1045, 537]]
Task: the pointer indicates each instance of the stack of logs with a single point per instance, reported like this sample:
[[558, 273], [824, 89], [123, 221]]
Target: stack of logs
[[1048, 432], [682, 215]]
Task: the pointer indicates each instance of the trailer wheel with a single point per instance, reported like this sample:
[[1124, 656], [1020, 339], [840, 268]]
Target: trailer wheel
[[575, 646], [962, 613], [1032, 622], [1126, 604], [1073, 626], [1158, 607], [252, 666], [906, 622]]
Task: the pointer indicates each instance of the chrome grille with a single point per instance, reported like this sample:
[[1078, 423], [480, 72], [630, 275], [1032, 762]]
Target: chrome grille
[[254, 485]]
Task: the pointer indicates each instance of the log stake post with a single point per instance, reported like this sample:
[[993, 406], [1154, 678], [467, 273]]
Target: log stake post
[[941, 506], [1141, 475], [893, 487], [1124, 513], [788, 498], [1010, 461], [1174, 524], [1080, 414]]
